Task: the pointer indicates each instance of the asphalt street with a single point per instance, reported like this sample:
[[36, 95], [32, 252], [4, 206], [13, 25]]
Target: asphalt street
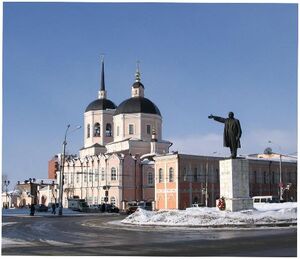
[[103, 235]]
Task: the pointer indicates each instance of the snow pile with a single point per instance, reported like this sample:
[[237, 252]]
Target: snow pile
[[272, 213]]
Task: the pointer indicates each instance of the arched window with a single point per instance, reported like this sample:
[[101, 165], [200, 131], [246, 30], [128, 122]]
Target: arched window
[[88, 130], [108, 130], [90, 175], [113, 200], [96, 175], [102, 174], [113, 174], [130, 129], [160, 175], [97, 130], [171, 175], [150, 178]]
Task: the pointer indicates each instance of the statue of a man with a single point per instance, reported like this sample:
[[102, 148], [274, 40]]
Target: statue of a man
[[232, 132]]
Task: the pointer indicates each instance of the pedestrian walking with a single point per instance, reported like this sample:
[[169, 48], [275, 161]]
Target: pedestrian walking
[[32, 210], [53, 208]]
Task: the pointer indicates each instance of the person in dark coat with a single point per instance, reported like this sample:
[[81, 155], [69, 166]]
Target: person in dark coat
[[232, 132], [53, 208], [32, 210]]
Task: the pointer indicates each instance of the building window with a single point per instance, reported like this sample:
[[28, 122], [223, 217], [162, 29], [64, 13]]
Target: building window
[[102, 174], [273, 177], [97, 130], [265, 177], [88, 130], [77, 177], [160, 175], [90, 175], [96, 175], [118, 130], [195, 174], [289, 177], [108, 130], [148, 129], [85, 177], [184, 174], [150, 178], [113, 200], [255, 176], [171, 175], [130, 129], [113, 174]]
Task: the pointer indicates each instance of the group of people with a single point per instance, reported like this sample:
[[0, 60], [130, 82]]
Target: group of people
[[32, 209]]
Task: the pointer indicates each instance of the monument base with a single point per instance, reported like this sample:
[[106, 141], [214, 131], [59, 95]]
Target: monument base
[[234, 184], [237, 204]]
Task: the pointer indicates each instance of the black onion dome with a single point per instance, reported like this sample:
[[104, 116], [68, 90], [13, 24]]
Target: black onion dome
[[100, 104], [137, 105]]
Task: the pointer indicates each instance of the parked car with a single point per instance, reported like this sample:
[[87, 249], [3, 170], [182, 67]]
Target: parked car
[[131, 207], [145, 205], [111, 208], [94, 207], [265, 199], [41, 208], [197, 205]]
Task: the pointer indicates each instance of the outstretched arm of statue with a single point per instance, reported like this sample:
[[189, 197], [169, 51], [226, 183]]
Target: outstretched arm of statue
[[217, 118]]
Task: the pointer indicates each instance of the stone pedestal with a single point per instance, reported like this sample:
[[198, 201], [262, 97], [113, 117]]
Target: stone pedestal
[[234, 184]]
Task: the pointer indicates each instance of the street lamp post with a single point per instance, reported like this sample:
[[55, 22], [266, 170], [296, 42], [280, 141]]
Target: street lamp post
[[6, 183], [280, 170], [62, 166]]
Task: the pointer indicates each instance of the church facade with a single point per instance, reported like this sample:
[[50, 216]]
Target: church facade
[[115, 164]]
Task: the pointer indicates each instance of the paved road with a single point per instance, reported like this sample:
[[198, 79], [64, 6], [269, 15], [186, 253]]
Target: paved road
[[103, 235]]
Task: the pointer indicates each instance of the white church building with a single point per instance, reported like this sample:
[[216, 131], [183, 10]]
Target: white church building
[[119, 144]]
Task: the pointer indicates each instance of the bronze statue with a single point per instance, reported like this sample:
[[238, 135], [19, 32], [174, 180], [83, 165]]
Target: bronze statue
[[232, 132]]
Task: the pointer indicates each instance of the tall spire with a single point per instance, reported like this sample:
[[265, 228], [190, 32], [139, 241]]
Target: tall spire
[[137, 73], [102, 75], [137, 89], [102, 92]]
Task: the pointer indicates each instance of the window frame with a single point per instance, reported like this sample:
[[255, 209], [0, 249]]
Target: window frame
[[113, 174], [130, 129], [97, 130]]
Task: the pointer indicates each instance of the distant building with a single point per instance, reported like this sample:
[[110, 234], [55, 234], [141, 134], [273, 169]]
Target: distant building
[[33, 191], [181, 180], [53, 167]]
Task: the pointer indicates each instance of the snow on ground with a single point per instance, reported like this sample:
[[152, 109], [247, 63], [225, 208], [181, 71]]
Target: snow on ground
[[12, 242], [17, 212], [261, 214]]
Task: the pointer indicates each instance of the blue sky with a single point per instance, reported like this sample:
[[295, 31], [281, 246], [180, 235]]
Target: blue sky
[[196, 59]]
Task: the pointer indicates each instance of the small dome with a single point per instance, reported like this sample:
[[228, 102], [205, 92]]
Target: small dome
[[137, 105], [100, 104], [137, 85]]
